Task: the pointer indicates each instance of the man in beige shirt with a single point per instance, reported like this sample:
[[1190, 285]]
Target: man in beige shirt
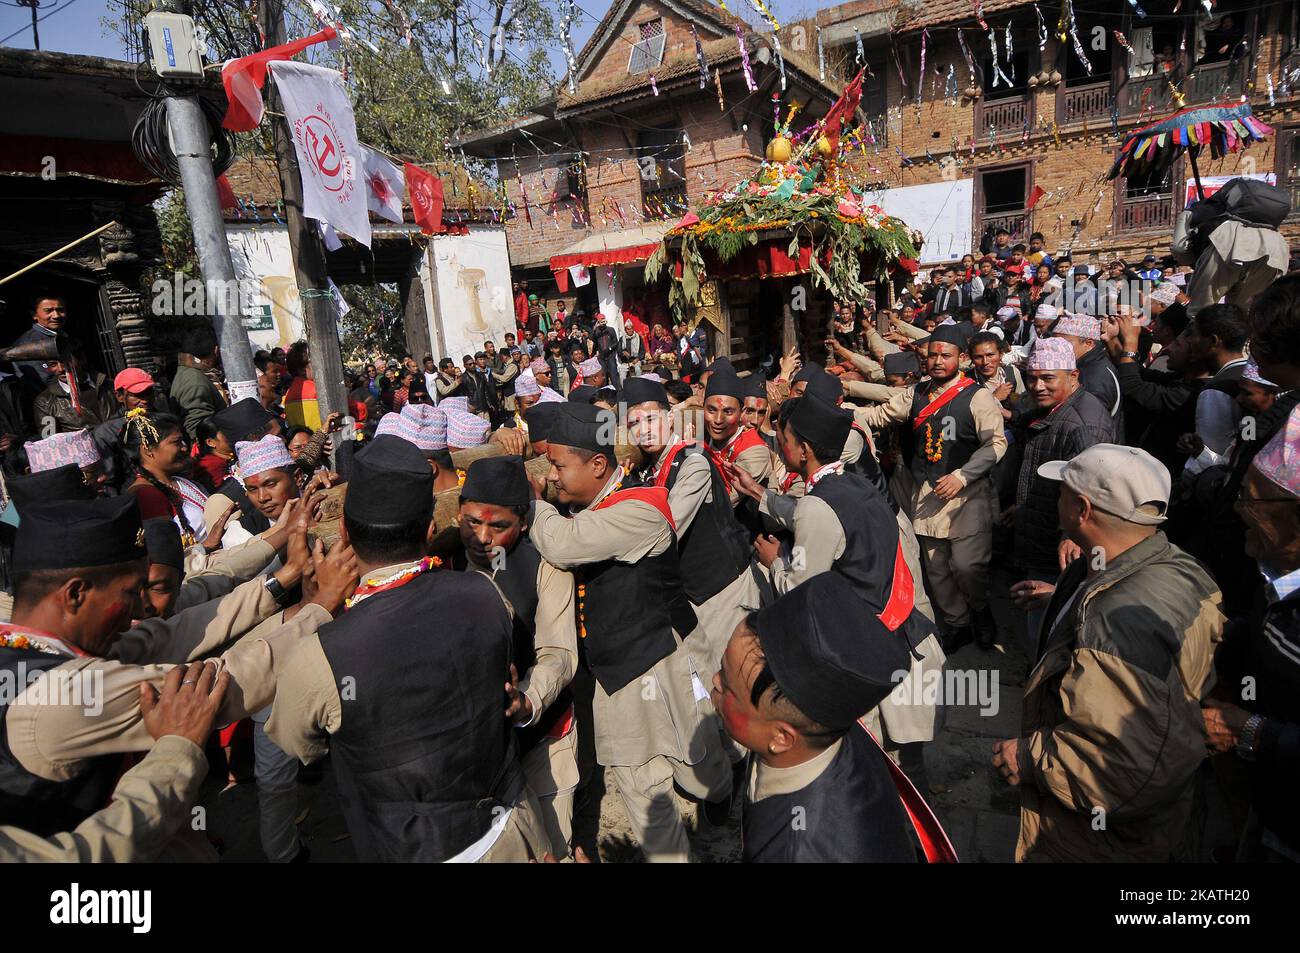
[[80, 711], [951, 435], [494, 505], [426, 761], [155, 798], [651, 716]]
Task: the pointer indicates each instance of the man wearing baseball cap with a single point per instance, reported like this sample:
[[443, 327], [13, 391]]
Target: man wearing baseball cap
[[1111, 726]]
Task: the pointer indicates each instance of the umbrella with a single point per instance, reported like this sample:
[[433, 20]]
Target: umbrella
[[1225, 128]]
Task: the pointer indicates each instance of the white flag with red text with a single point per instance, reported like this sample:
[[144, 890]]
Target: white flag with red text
[[384, 185], [324, 131]]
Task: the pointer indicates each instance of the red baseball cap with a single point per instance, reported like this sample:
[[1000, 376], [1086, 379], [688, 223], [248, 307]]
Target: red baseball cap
[[133, 381]]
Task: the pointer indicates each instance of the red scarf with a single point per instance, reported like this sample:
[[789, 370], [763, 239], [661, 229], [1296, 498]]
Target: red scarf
[[930, 409]]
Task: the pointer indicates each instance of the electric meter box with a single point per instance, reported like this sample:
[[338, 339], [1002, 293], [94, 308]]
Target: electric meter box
[[174, 49]]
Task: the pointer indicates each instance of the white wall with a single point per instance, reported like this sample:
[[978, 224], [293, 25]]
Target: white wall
[[468, 294], [942, 212], [261, 253]]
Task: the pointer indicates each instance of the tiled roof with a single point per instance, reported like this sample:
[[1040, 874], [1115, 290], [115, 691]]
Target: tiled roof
[[958, 12], [675, 63], [679, 63], [701, 8]]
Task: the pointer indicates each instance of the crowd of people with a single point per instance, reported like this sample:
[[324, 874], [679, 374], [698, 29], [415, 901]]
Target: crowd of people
[[595, 546]]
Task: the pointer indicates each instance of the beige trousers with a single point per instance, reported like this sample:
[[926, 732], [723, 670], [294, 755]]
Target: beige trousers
[[647, 792], [958, 574]]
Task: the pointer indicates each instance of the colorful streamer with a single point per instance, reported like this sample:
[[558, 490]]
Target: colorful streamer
[[1074, 37], [700, 61], [744, 61], [780, 60], [965, 51], [920, 79], [1006, 39], [1042, 29], [821, 57], [997, 70]]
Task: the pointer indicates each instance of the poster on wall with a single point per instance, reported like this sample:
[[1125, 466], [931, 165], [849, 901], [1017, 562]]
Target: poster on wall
[[473, 303], [1212, 184], [272, 309], [941, 211]]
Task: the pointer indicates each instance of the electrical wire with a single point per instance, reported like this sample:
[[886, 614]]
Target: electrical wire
[[151, 139], [6, 39]]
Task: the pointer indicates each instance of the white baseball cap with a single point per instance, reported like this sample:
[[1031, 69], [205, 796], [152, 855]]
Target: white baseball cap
[[1118, 480]]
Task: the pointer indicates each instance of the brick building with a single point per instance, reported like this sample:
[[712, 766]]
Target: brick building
[[1044, 120], [598, 174]]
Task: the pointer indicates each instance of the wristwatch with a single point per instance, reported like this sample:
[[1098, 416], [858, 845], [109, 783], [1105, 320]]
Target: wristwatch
[[1248, 740], [277, 591]]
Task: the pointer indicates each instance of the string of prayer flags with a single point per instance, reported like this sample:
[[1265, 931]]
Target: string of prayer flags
[[700, 61], [979, 13], [717, 78], [1008, 52], [859, 56]]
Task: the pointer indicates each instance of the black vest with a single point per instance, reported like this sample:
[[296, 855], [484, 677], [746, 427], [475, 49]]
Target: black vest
[[850, 814], [715, 548], [871, 545], [46, 807], [866, 466], [629, 612], [518, 581], [955, 452], [424, 756], [250, 517]]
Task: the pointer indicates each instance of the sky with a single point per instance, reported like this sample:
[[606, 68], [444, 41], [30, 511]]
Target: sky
[[73, 26]]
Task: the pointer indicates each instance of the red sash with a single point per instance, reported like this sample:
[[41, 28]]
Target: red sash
[[746, 439], [661, 478], [656, 496], [934, 840], [902, 594], [930, 409]]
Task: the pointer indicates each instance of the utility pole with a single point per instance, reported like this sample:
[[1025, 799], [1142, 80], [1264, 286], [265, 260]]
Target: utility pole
[[192, 145], [318, 309], [36, 34]]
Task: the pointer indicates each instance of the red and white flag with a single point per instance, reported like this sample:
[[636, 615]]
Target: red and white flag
[[324, 130], [425, 189], [245, 77], [384, 185]]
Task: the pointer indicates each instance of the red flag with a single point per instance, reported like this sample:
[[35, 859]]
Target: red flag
[[225, 193], [245, 77], [1034, 196], [843, 109], [425, 190]]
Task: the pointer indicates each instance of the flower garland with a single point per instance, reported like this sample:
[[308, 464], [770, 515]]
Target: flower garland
[[933, 448], [396, 580]]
